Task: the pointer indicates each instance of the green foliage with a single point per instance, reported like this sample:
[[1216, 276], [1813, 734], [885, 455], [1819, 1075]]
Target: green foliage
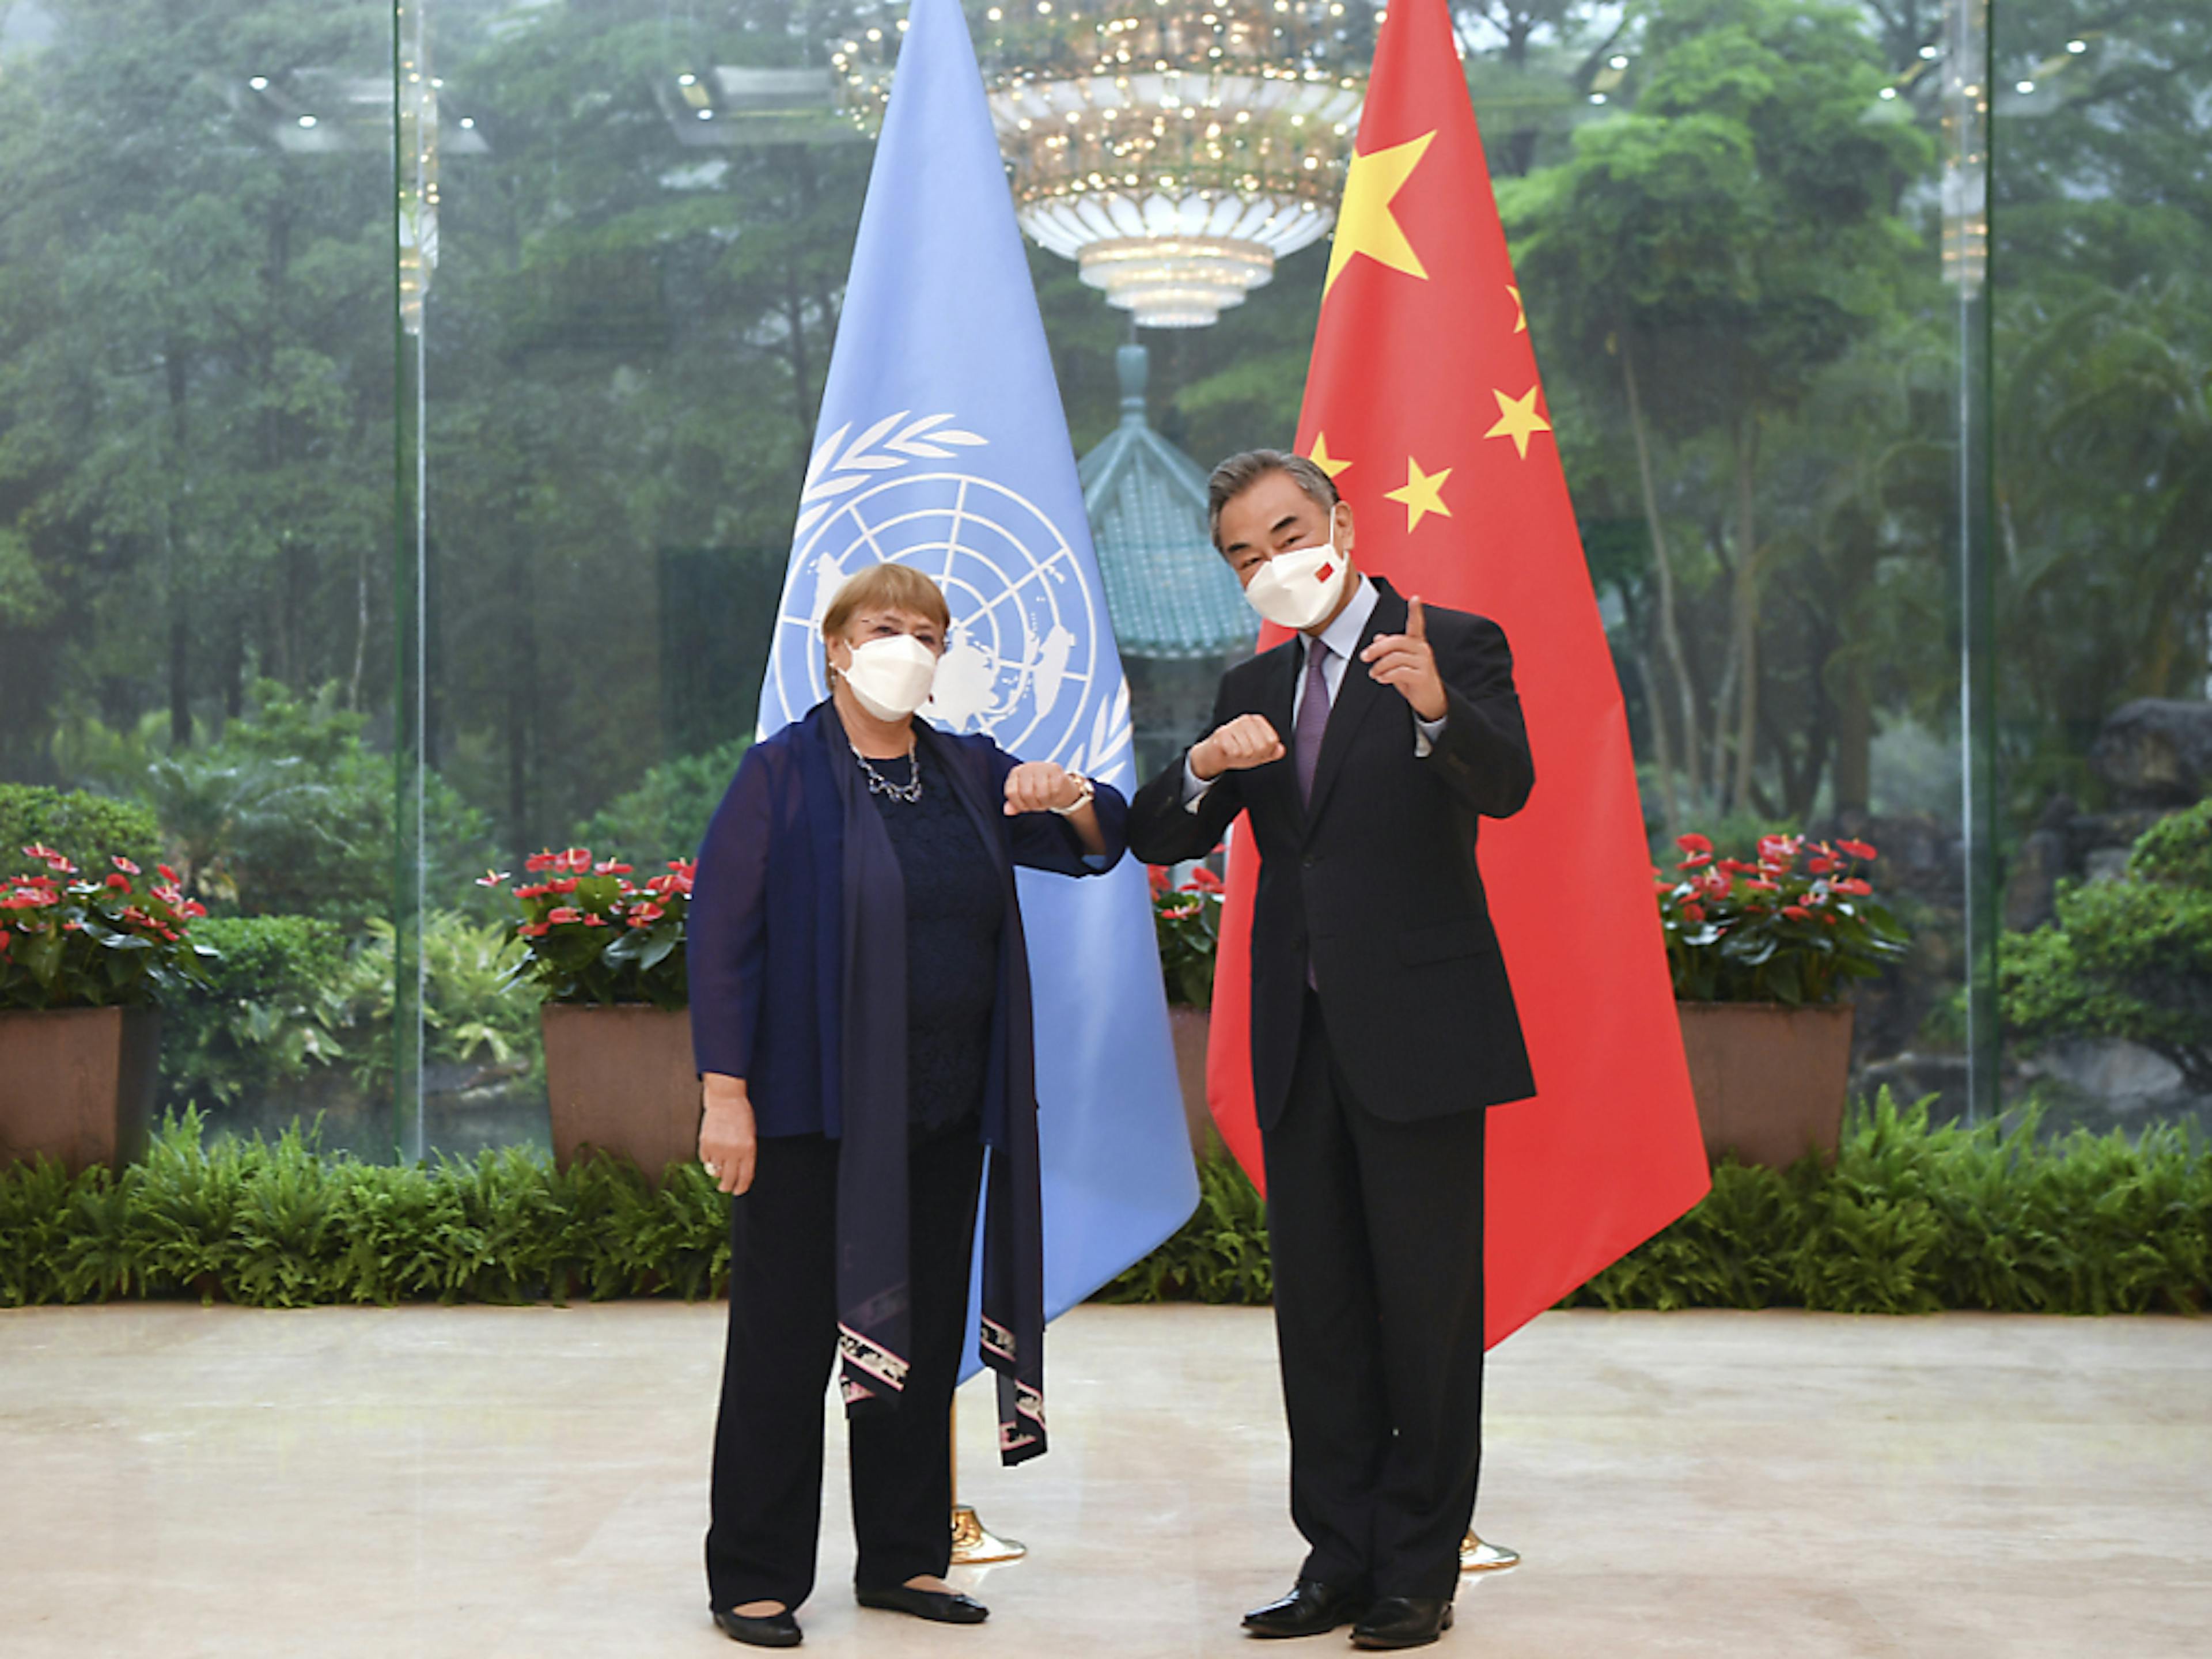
[[1763, 930], [1187, 924], [471, 1011], [273, 1009], [112, 936], [1910, 1218], [82, 827], [280, 1225], [2128, 959], [1219, 1254], [666, 815], [590, 934]]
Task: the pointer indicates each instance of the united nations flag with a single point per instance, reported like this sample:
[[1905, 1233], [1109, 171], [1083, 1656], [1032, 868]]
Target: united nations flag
[[942, 445]]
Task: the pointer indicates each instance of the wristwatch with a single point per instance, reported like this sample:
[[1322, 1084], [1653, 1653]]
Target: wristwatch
[[1089, 794]]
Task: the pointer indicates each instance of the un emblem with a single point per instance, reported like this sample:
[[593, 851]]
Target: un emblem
[[1025, 660]]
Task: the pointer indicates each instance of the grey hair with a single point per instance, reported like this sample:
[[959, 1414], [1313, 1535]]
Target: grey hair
[[1240, 472]]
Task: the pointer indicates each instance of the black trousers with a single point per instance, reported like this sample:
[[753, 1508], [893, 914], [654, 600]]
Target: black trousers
[[1376, 1230], [767, 1496]]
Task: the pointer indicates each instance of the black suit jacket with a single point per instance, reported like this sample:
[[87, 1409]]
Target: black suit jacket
[[1376, 881]]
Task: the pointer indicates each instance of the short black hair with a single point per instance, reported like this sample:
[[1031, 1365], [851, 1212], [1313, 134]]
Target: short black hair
[[1240, 472]]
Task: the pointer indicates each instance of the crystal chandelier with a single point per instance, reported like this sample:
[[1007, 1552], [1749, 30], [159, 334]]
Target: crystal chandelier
[[1175, 149]]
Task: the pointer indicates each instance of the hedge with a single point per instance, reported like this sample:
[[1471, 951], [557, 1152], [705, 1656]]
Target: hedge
[[1911, 1217]]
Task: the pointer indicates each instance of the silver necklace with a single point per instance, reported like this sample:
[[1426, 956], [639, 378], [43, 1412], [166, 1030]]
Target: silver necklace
[[909, 792]]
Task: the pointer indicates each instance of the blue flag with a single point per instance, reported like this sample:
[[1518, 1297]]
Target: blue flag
[[942, 445]]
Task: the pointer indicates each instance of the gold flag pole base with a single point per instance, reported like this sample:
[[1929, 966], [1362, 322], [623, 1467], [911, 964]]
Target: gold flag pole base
[[1477, 1556], [974, 1545]]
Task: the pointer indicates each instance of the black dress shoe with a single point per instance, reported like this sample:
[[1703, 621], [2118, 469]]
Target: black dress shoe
[[769, 1629], [1312, 1608], [1402, 1621], [938, 1607]]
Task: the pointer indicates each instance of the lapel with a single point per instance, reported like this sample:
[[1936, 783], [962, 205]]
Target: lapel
[[1356, 695], [1277, 692]]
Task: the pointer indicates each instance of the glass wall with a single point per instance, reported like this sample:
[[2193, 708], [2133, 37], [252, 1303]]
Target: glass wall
[[433, 382], [196, 507]]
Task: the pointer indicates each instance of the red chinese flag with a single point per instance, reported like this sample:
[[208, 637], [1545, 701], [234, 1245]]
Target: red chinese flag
[[1424, 403]]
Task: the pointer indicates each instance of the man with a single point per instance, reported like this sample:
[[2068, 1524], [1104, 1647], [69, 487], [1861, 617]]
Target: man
[[1365, 749]]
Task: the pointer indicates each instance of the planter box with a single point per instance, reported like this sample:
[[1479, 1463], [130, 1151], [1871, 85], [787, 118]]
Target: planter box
[[77, 1084], [620, 1078], [1190, 1028], [1770, 1079]]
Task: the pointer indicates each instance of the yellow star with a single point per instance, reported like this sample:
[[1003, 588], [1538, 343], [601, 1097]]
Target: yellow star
[[1423, 493], [1321, 458], [1519, 312], [1364, 224], [1518, 419]]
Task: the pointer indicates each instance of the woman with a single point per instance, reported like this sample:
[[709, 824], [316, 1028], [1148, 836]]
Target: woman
[[860, 1017]]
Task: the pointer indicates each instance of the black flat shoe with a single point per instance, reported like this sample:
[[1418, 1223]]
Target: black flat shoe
[[769, 1629], [1402, 1621], [1312, 1608], [938, 1607]]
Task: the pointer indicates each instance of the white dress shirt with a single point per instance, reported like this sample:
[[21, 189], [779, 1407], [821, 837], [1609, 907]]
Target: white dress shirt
[[1342, 636]]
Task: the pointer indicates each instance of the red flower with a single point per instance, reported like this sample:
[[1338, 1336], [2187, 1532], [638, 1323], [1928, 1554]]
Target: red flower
[[60, 865], [41, 851], [491, 877], [124, 865], [1154, 874], [192, 907], [538, 861], [532, 929], [1694, 860], [562, 884], [1828, 916], [1203, 880], [595, 921], [1693, 843], [168, 895], [1760, 884], [1859, 849], [1821, 866], [1855, 887], [168, 874], [646, 914], [578, 858], [120, 884], [608, 867], [1180, 912], [1797, 912], [1693, 911], [565, 912]]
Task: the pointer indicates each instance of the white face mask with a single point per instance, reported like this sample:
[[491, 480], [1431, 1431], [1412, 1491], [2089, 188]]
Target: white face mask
[[892, 677], [1299, 587]]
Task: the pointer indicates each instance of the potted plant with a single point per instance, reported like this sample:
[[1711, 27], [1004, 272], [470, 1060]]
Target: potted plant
[[1188, 919], [1761, 951], [84, 957], [606, 954]]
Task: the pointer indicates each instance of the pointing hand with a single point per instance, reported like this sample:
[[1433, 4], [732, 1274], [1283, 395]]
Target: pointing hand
[[1406, 661]]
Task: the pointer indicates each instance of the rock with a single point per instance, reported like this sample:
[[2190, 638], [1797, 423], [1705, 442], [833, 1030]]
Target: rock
[[2155, 752], [2035, 872], [2125, 1075], [1911, 1077]]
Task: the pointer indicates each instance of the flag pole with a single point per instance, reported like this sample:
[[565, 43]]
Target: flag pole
[[973, 1543]]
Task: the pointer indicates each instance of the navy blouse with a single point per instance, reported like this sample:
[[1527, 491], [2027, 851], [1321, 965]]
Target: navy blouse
[[766, 943]]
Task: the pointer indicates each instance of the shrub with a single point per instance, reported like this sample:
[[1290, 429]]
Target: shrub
[[273, 1009], [665, 816], [84, 828], [2128, 959], [591, 934], [108, 937]]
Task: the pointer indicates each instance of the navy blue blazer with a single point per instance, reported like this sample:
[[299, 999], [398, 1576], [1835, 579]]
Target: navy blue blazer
[[766, 945]]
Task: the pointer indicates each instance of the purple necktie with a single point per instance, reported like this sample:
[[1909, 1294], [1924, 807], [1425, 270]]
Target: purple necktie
[[1313, 717]]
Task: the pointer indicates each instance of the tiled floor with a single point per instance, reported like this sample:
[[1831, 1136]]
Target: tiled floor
[[479, 1482]]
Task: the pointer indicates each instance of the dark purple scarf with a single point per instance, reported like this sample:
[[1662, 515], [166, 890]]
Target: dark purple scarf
[[874, 1303]]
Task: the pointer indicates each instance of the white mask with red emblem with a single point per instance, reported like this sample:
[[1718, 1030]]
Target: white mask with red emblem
[[1300, 586]]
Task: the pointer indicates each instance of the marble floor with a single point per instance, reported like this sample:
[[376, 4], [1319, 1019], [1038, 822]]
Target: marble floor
[[491, 1482]]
